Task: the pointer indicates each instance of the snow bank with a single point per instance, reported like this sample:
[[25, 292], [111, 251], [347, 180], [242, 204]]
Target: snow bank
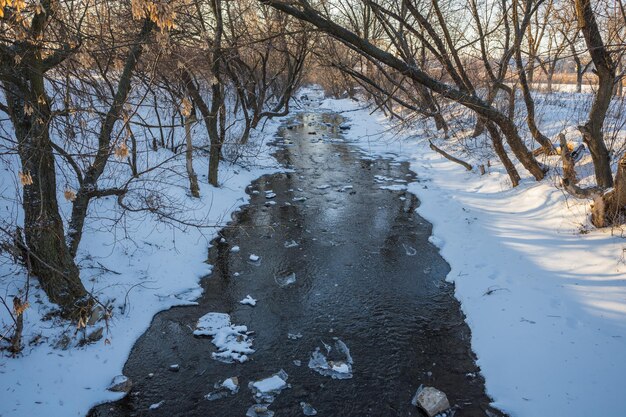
[[137, 264]]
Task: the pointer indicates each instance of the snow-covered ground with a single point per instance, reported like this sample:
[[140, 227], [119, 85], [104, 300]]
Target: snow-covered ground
[[544, 294], [136, 263]]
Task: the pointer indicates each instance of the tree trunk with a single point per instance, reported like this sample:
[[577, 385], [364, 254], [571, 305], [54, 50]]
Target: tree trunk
[[217, 97], [592, 130], [51, 260], [193, 178], [610, 208], [496, 139], [525, 82]]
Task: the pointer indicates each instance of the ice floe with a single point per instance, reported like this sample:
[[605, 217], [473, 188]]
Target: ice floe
[[337, 363], [264, 392]]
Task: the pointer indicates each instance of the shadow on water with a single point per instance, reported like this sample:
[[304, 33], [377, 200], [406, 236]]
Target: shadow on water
[[365, 273]]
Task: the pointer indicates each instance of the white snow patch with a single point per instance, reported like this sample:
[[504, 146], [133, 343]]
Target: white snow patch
[[248, 300], [231, 341]]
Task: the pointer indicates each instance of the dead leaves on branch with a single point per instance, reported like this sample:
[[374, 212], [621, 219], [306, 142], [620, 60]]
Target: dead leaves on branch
[[162, 13]]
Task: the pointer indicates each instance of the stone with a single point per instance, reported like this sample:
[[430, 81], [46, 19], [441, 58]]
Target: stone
[[121, 383], [95, 335], [431, 400]]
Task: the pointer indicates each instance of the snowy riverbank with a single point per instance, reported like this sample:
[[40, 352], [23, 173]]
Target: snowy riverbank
[[139, 266], [546, 303]]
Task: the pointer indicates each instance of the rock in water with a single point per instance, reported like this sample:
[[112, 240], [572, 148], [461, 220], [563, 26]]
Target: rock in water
[[120, 383], [431, 400]]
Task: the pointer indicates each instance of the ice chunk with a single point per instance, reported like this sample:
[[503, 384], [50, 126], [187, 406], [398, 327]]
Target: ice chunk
[[265, 390], [297, 362], [231, 341], [323, 186], [431, 400], [410, 250], [294, 336], [229, 386], [234, 249], [345, 188], [273, 383], [340, 364], [259, 410], [156, 405], [248, 300], [285, 280], [291, 244], [254, 258], [307, 409], [299, 198], [269, 194]]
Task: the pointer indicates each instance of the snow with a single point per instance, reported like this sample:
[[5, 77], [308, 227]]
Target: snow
[[231, 384], [231, 341], [543, 293], [248, 300], [394, 187]]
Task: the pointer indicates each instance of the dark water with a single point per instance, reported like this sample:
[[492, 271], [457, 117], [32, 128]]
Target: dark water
[[366, 274]]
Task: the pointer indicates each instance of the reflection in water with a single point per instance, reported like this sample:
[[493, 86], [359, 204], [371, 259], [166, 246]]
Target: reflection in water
[[354, 281]]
